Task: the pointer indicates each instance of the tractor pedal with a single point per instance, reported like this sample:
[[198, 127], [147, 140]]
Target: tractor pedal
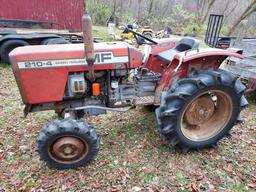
[[146, 100]]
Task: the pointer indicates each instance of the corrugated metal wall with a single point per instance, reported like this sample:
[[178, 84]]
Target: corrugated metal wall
[[65, 12]]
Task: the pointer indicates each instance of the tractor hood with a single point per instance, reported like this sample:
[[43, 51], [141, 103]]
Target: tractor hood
[[43, 70], [70, 55]]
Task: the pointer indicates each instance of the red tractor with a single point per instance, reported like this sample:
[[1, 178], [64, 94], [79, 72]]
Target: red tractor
[[198, 102]]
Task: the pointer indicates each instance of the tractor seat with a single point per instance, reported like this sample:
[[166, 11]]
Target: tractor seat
[[184, 44]]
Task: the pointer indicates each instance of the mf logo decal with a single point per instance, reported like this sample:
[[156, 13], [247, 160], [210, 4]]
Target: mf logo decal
[[100, 58], [103, 57]]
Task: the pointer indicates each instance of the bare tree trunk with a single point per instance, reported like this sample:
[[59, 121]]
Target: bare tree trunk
[[226, 13], [210, 4], [114, 7], [225, 8], [203, 9], [89, 5], [151, 4], [121, 8], [130, 3], [139, 9], [250, 9], [166, 7], [200, 8]]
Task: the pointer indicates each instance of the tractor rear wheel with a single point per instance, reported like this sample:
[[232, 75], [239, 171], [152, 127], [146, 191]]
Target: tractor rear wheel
[[201, 109], [67, 143]]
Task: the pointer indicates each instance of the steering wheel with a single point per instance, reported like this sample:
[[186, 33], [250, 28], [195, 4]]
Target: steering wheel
[[136, 35]]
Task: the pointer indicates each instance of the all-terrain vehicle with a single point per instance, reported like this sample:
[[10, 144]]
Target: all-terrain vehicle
[[197, 102], [145, 31]]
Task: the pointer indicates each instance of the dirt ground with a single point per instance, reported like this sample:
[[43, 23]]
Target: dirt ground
[[133, 157]]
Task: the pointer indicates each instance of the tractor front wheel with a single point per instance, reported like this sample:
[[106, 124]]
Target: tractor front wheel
[[201, 110], [67, 143]]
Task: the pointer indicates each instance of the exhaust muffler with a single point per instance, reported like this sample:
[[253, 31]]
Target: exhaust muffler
[[88, 43]]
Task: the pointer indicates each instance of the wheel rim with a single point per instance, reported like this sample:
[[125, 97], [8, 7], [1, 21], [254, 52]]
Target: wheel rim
[[206, 115], [68, 149]]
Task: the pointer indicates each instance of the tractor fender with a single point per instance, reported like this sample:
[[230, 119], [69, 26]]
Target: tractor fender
[[184, 62], [217, 55]]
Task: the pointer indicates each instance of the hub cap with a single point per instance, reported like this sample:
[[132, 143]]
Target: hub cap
[[206, 115], [68, 149], [200, 110]]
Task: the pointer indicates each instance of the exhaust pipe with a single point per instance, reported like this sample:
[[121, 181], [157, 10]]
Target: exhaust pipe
[[88, 43]]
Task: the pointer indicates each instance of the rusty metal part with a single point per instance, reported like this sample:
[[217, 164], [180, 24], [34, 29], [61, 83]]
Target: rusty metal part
[[145, 100], [88, 44], [159, 90], [57, 106], [206, 115], [101, 107], [200, 110], [68, 149], [91, 75]]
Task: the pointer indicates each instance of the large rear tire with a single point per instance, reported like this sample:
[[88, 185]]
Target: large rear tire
[[54, 41], [8, 46], [67, 143], [201, 109]]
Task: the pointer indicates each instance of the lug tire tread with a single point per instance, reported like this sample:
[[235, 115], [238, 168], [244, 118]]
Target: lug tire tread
[[71, 127], [172, 103]]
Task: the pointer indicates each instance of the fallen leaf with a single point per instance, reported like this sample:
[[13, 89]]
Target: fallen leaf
[[252, 185], [136, 189], [111, 142], [194, 187]]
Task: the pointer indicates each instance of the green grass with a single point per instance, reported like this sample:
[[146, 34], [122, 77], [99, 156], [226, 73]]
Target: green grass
[[4, 65], [102, 33]]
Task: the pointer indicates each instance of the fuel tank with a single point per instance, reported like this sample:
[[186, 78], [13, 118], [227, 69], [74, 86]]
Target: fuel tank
[[42, 71]]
